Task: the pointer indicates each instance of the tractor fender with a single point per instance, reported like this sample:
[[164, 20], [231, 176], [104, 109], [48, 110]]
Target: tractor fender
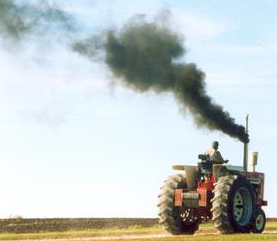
[[192, 174], [220, 170]]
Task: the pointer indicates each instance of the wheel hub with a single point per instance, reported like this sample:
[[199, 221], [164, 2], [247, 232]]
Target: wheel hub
[[242, 206], [259, 221]]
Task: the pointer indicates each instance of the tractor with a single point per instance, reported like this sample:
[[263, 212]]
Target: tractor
[[231, 196]]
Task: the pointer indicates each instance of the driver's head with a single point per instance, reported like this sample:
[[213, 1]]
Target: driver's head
[[215, 145]]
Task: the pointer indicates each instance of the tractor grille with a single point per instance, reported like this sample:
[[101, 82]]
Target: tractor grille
[[191, 199]]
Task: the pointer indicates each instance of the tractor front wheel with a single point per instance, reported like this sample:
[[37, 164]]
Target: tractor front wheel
[[259, 221]]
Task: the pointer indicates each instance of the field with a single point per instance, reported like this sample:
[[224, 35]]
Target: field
[[114, 229]]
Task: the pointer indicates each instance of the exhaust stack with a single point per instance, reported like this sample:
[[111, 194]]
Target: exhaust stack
[[245, 149]]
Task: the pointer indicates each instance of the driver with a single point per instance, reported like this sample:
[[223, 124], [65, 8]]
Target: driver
[[214, 154]]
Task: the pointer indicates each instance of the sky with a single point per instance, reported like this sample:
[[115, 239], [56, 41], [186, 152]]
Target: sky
[[74, 142]]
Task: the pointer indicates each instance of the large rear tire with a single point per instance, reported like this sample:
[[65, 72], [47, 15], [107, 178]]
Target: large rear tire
[[233, 205], [176, 220]]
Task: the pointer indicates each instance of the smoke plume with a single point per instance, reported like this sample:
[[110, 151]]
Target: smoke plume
[[20, 20], [146, 56]]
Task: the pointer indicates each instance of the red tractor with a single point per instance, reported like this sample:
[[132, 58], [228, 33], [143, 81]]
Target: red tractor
[[230, 196]]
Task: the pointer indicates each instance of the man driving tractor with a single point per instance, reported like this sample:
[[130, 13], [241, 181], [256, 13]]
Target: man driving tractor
[[214, 154]]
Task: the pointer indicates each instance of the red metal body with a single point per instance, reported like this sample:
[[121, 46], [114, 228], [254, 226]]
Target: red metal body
[[205, 188], [178, 197], [258, 179]]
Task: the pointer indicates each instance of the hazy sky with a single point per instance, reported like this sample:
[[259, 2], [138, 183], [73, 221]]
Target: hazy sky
[[75, 143]]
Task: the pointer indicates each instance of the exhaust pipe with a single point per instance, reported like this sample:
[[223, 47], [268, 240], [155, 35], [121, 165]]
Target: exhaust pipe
[[245, 149]]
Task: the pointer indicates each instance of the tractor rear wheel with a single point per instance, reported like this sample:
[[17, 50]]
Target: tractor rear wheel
[[176, 220], [233, 204], [259, 221]]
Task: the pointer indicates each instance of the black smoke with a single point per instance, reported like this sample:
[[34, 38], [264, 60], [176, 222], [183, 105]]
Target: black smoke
[[147, 56], [144, 55], [20, 20]]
